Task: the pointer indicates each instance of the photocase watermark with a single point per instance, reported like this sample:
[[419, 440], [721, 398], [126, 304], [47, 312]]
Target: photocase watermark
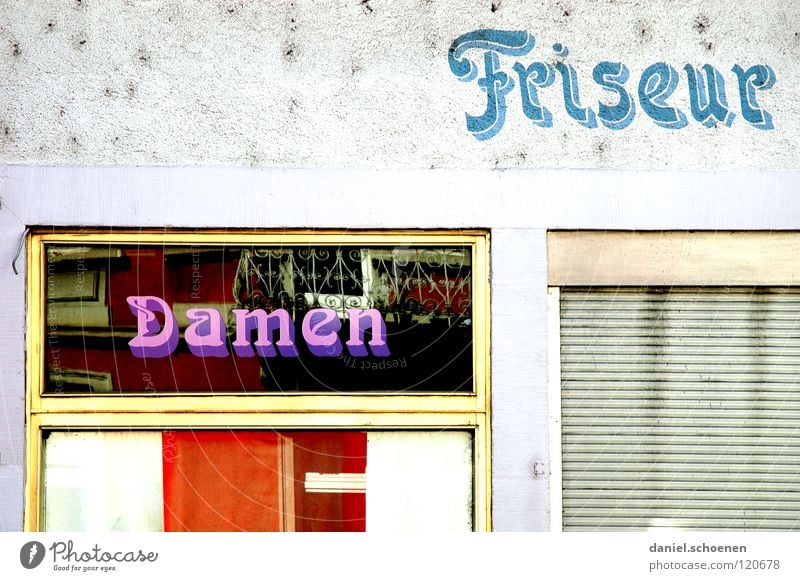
[[196, 274], [170, 452], [54, 362], [367, 365], [66, 557], [31, 554], [62, 287]]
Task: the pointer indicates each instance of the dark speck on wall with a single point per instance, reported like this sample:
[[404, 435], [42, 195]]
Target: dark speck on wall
[[701, 23], [565, 8], [644, 31], [143, 56]]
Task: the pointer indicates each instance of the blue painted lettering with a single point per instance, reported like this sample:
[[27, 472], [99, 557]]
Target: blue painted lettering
[[760, 77], [657, 83], [612, 76], [707, 97], [530, 77]]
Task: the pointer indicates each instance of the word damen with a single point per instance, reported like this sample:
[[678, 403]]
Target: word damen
[[206, 335], [707, 96]]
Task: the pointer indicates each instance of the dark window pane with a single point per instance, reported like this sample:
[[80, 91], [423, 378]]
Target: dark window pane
[[281, 319]]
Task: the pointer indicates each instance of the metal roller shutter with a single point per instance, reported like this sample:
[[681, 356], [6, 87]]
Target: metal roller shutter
[[680, 408]]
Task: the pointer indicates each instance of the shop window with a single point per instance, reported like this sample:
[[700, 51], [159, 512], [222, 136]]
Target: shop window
[[676, 376], [257, 381]]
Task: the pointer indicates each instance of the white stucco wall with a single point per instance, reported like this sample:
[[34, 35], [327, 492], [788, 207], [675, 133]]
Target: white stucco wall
[[346, 115], [366, 83]]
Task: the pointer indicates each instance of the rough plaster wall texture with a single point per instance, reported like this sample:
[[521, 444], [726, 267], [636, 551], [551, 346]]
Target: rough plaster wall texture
[[366, 83]]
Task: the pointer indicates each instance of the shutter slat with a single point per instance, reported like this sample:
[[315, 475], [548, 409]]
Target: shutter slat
[[651, 484], [675, 410], [704, 496], [699, 523], [698, 469], [678, 426]]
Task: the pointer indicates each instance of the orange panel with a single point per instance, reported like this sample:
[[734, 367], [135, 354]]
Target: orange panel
[[221, 481]]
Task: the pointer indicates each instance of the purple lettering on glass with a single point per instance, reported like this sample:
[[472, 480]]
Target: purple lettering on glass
[[206, 333], [359, 320], [265, 325], [152, 340], [319, 330]]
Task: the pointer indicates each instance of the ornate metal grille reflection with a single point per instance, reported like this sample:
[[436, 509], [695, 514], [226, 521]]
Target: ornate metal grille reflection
[[405, 284]]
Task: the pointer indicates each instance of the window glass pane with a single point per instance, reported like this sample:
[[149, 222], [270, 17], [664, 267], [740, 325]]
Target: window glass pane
[[130, 318], [103, 481], [258, 480], [415, 477]]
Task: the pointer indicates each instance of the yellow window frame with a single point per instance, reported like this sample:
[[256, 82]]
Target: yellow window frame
[[464, 411]]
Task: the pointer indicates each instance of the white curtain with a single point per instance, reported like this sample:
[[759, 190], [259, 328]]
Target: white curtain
[[419, 481], [103, 481]]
